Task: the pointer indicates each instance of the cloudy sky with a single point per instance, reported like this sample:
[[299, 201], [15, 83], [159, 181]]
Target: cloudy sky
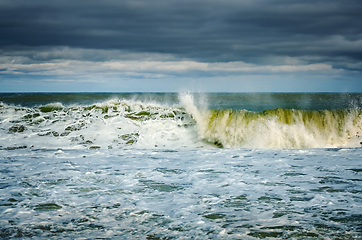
[[181, 45]]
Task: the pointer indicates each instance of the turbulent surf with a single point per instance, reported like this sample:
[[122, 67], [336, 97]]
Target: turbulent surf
[[180, 166], [120, 123]]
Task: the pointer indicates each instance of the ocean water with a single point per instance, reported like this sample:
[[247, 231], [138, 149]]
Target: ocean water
[[180, 166]]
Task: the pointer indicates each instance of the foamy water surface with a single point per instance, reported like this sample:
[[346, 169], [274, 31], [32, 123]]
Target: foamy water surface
[[182, 194], [180, 166]]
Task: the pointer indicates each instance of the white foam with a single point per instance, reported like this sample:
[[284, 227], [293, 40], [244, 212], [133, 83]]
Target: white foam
[[181, 194]]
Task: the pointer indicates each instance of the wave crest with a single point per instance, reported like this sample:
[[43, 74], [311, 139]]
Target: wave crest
[[129, 123], [280, 128]]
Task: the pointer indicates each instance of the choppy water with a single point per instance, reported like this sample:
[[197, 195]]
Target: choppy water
[[188, 166]]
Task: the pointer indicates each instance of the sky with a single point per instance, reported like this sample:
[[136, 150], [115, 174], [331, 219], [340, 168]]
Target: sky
[[181, 45]]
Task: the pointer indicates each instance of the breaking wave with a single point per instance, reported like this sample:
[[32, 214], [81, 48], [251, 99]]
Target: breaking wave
[[135, 124], [277, 128]]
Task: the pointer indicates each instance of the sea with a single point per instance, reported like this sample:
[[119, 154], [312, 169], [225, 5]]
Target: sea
[[181, 165]]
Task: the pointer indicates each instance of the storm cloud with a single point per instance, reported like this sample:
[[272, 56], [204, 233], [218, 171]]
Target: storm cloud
[[163, 38]]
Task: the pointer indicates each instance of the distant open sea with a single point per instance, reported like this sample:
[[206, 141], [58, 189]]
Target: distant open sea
[[181, 165]]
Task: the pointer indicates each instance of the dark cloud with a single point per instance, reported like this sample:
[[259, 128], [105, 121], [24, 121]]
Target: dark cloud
[[208, 31]]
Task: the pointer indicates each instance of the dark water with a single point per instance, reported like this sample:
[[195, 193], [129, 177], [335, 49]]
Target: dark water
[[234, 101]]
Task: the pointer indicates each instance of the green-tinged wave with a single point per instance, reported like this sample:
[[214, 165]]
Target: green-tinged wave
[[280, 128]]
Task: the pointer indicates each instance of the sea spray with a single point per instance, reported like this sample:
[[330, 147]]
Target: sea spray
[[188, 103]]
